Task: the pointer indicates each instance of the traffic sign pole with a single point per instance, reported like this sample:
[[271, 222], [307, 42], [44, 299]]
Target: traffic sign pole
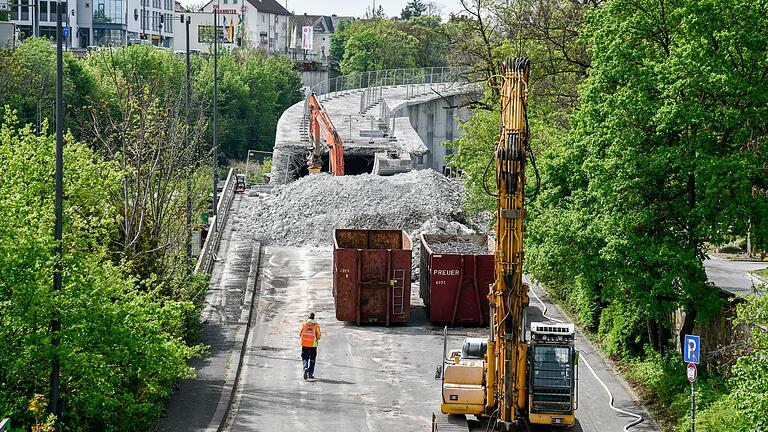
[[693, 409], [691, 372]]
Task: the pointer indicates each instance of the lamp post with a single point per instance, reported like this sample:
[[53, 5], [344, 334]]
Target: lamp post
[[215, 104], [55, 406], [186, 21]]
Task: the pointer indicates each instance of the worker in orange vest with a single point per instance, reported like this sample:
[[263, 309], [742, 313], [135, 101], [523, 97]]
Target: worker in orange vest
[[310, 334]]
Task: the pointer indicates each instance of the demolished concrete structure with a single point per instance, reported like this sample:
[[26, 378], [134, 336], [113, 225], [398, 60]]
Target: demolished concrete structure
[[400, 118]]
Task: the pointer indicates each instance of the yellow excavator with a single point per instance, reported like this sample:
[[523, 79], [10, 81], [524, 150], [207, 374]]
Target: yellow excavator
[[517, 376]]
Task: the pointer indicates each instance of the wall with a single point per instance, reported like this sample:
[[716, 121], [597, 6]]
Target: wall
[[310, 78], [435, 124]]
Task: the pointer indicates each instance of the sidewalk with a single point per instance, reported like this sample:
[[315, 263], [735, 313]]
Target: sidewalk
[[201, 403]]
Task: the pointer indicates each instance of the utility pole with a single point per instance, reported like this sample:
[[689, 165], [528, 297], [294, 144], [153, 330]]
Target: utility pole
[[36, 19], [55, 405], [186, 20], [215, 104]]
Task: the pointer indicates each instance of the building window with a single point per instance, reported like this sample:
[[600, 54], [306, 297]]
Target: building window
[[24, 13], [109, 12], [44, 11], [225, 2], [234, 1]]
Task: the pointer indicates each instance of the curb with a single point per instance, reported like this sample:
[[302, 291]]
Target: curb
[[218, 422]]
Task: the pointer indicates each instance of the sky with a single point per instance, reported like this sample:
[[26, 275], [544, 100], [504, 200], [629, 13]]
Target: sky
[[352, 7]]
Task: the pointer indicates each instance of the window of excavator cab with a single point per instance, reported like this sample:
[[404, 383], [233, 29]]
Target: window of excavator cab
[[552, 366]]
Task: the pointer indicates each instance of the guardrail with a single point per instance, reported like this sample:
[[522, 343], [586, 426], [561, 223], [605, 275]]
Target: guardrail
[[345, 84], [212, 241], [371, 85]]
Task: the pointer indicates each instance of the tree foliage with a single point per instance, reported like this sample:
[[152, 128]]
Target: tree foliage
[[414, 8], [659, 161], [121, 348]]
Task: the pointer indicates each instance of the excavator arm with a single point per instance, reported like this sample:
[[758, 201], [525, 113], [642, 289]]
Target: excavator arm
[[321, 127], [512, 381], [506, 355]]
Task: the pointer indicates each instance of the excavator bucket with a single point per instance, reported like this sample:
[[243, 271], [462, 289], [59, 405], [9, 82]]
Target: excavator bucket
[[391, 163]]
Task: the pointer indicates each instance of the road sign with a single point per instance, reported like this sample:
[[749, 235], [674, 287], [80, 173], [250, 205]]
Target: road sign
[[691, 372], [4, 5], [66, 31], [692, 349]]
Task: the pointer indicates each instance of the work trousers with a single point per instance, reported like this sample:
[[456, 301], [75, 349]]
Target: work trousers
[[308, 355]]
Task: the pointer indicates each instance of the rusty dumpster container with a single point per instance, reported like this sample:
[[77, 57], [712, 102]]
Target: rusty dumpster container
[[372, 276], [454, 274]]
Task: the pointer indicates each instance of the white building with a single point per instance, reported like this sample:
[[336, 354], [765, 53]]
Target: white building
[[100, 22], [254, 23], [323, 26]]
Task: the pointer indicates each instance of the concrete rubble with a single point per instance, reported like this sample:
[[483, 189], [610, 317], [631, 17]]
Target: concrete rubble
[[459, 247], [306, 212]]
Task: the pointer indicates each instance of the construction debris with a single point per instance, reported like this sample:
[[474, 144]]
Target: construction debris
[[459, 247], [434, 226], [305, 212]]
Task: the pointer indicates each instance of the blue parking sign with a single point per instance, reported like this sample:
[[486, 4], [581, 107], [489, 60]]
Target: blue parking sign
[[692, 349], [65, 31]]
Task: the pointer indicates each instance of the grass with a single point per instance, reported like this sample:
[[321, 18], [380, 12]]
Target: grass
[[761, 273]]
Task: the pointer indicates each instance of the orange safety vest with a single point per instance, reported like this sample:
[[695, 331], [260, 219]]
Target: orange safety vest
[[310, 334]]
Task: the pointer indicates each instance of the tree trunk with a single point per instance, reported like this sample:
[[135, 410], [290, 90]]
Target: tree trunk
[[665, 334], [653, 334], [690, 318]]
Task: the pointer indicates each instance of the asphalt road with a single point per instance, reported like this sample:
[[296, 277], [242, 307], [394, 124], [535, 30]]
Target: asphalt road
[[369, 378], [733, 276]]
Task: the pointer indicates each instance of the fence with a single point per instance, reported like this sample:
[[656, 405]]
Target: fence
[[212, 241], [371, 85]]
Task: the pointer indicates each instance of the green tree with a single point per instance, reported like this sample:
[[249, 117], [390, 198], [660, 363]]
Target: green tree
[[750, 373], [378, 45], [121, 349], [29, 84], [414, 8]]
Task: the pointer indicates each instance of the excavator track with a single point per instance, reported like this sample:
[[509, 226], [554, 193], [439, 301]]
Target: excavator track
[[449, 423]]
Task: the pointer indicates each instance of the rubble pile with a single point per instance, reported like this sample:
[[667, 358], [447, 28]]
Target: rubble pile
[[433, 226], [459, 247], [305, 212]]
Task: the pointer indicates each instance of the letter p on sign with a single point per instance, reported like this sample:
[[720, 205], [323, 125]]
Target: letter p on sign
[[692, 349]]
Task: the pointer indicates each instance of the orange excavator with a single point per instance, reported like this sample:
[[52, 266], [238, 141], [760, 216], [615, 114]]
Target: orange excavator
[[319, 120]]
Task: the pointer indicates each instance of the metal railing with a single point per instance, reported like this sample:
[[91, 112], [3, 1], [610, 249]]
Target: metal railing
[[371, 86], [212, 241], [345, 84]]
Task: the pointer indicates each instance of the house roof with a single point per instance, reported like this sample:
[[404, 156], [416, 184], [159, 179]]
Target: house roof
[[320, 23], [269, 6]]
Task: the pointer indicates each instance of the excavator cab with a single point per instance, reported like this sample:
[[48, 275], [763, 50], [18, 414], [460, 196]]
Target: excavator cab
[[552, 375]]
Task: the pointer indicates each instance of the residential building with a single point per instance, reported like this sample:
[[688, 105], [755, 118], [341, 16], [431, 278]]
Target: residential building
[[254, 23], [322, 28], [100, 22]]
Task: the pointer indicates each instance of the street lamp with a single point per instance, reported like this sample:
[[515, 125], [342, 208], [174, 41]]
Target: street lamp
[[215, 104], [55, 406], [186, 20]]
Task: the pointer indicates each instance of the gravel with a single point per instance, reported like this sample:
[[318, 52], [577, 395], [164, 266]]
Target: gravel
[[305, 212], [459, 247]]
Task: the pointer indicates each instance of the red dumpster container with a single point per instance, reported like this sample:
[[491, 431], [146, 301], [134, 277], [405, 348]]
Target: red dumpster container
[[454, 286], [372, 276]]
